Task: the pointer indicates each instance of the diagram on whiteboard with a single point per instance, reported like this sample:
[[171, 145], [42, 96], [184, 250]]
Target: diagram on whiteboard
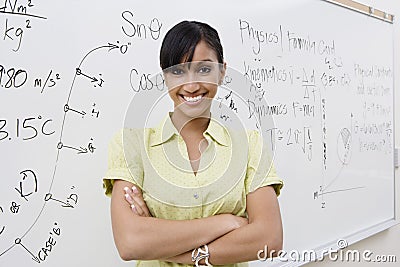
[[30, 184]]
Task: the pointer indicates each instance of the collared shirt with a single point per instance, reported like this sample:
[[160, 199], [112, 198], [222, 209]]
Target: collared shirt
[[156, 159]]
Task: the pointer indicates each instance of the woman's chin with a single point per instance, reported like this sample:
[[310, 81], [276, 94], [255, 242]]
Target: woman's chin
[[194, 111]]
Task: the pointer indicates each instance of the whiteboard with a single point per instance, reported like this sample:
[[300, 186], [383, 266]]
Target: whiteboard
[[69, 71]]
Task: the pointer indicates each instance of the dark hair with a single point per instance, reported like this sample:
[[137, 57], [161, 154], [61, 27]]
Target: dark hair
[[181, 40]]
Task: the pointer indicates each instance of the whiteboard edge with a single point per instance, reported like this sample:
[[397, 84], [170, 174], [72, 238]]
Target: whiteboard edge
[[334, 2]]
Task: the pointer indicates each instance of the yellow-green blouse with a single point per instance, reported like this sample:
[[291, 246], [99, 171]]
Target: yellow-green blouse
[[155, 159]]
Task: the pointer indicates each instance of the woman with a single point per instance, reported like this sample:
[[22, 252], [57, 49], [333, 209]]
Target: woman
[[227, 230]]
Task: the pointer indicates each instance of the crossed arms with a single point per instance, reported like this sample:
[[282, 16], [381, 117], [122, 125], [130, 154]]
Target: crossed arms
[[230, 239]]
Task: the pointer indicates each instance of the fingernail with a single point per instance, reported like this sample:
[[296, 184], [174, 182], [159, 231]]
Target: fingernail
[[132, 206], [127, 196], [134, 189], [126, 189]]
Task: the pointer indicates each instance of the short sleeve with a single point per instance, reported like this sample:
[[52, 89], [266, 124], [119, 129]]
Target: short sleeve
[[260, 168], [124, 160]]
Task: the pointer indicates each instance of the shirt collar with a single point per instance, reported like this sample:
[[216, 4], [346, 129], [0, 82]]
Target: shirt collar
[[166, 130], [217, 132]]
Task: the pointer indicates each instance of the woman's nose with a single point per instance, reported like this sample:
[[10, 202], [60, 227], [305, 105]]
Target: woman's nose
[[191, 87]]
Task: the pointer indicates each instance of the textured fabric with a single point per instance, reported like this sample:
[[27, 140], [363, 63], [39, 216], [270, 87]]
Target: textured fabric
[[156, 160]]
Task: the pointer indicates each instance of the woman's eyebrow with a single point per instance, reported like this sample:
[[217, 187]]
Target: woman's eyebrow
[[201, 60], [207, 59]]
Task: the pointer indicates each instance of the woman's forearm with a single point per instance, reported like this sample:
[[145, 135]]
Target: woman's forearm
[[152, 238], [148, 238], [243, 244], [263, 231], [240, 245]]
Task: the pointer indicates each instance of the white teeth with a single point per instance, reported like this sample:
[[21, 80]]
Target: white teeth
[[192, 99]]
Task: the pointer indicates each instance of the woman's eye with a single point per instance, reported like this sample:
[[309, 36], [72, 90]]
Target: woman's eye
[[205, 69], [177, 71]]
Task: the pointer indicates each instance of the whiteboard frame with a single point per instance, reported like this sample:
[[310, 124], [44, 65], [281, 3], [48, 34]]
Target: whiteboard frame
[[364, 9]]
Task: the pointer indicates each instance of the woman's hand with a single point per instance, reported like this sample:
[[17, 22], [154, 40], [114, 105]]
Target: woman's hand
[[135, 199]]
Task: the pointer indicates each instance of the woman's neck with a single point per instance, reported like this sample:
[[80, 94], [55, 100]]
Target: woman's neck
[[188, 125]]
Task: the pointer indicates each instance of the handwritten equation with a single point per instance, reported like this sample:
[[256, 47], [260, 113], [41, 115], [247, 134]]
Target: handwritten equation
[[14, 29]]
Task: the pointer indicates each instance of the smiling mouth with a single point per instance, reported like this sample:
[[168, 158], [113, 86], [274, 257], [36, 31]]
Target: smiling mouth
[[193, 99]]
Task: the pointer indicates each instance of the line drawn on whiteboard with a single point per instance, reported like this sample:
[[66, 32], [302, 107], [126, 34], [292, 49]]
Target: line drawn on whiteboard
[[18, 241], [93, 79], [25, 190], [341, 190], [65, 204], [67, 108]]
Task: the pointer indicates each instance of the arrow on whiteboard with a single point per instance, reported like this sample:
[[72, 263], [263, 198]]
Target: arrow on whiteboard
[[112, 46], [49, 196], [67, 108], [79, 72], [18, 241], [81, 150], [109, 46]]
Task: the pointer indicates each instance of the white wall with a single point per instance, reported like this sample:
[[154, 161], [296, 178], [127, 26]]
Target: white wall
[[386, 242]]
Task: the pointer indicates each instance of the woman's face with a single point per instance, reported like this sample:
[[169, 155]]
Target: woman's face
[[193, 85]]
